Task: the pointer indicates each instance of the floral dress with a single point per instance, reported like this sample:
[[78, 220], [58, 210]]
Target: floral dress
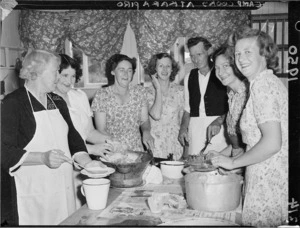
[[122, 120], [266, 187], [165, 131], [236, 103]]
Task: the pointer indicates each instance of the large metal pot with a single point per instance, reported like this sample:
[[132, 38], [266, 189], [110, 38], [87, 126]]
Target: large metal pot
[[129, 174], [208, 191]]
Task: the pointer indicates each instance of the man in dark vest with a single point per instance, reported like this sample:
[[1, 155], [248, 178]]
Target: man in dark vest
[[206, 102]]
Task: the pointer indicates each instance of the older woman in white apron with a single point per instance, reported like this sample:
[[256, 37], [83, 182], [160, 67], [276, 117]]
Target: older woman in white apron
[[38, 142]]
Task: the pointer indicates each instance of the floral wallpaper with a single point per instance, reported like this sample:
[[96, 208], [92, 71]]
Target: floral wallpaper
[[100, 33]]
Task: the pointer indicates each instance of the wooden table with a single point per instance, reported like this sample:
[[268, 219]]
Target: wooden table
[[85, 216]]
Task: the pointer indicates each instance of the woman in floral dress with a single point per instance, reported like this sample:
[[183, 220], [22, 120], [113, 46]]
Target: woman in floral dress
[[166, 104], [121, 109], [264, 126], [238, 90]]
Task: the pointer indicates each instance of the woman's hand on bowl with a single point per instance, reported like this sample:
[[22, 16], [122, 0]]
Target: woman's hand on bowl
[[210, 154], [102, 149], [222, 161]]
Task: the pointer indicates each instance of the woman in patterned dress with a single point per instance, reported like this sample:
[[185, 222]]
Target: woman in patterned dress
[[238, 90], [166, 104], [121, 109], [264, 127]]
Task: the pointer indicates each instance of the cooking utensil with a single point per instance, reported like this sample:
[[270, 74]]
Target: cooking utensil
[[205, 146], [92, 170], [207, 192], [70, 161], [129, 175], [172, 169]]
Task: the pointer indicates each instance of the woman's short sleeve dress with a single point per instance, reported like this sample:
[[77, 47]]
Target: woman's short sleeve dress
[[165, 130], [122, 121], [266, 189]]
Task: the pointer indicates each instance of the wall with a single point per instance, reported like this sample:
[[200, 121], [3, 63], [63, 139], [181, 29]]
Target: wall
[[274, 8], [10, 38]]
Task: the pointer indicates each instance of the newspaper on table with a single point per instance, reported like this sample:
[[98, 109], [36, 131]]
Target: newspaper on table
[[133, 203]]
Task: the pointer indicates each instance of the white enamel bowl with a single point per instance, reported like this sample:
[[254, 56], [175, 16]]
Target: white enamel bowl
[[172, 169]]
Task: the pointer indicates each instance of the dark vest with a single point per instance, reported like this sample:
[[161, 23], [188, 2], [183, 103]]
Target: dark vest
[[215, 97]]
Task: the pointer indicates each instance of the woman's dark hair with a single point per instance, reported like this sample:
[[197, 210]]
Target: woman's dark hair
[[151, 69], [228, 52], [195, 40], [113, 62], [267, 47], [67, 61]]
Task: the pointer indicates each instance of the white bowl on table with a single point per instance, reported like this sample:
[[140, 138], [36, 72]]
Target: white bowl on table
[[172, 169]]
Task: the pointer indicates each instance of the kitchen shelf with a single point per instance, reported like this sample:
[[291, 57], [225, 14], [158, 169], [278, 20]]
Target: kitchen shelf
[[9, 54]]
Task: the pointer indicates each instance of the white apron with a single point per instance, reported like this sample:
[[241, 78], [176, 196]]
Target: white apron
[[45, 196], [198, 135]]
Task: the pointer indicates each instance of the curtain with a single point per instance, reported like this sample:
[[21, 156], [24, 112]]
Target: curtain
[[156, 31], [100, 33], [215, 25], [42, 30]]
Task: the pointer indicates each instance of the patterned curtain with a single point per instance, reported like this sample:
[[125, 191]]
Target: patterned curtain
[[156, 31], [215, 25], [42, 30], [100, 33]]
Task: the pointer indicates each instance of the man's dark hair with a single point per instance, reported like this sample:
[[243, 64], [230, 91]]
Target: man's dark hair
[[195, 40]]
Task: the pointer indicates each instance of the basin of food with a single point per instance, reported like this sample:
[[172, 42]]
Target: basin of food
[[199, 163], [129, 166], [213, 192]]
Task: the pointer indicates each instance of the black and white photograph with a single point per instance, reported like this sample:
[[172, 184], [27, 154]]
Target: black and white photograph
[[150, 113]]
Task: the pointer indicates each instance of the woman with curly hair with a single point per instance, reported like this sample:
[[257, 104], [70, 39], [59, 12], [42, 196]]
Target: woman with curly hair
[[81, 114], [264, 128], [121, 109], [166, 104], [79, 106]]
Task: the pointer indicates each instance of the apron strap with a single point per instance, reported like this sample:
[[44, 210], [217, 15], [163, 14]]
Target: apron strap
[[47, 100], [29, 99]]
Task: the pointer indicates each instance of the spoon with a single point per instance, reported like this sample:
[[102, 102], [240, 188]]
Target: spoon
[[93, 170], [73, 161]]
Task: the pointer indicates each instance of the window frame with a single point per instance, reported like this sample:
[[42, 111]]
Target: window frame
[[283, 47], [85, 69]]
